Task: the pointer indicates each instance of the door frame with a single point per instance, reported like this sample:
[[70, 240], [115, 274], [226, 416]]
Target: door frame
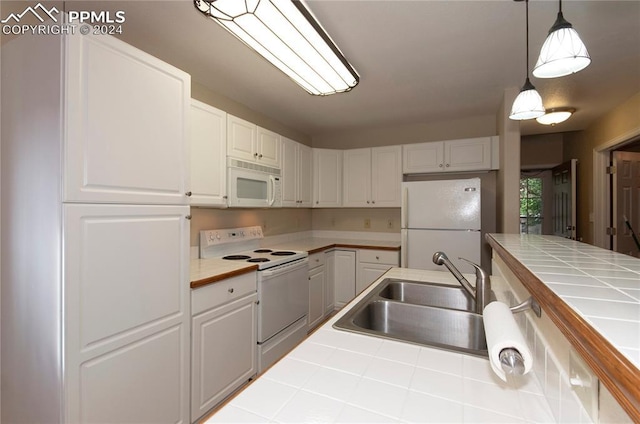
[[601, 188]]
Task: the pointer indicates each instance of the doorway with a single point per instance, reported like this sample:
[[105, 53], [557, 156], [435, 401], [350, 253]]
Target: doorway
[[604, 222], [625, 199]]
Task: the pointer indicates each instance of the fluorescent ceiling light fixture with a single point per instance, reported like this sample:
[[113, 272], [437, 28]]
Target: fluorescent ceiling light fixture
[[286, 34], [528, 104], [556, 115], [563, 52]]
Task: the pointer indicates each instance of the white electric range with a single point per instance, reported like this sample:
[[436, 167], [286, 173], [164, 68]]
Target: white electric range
[[282, 282]]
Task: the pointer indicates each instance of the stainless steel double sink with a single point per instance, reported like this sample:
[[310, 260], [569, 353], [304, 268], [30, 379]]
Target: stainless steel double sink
[[418, 312]]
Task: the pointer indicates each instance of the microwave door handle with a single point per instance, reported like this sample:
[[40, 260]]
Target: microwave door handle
[[272, 185]]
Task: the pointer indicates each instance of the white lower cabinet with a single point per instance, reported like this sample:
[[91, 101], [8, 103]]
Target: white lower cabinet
[[223, 340], [330, 282], [372, 264], [344, 276], [317, 286], [126, 305]]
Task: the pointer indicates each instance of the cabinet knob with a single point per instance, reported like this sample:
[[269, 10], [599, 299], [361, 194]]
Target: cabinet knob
[[260, 156], [225, 197], [377, 258], [188, 217], [317, 202], [440, 165], [368, 202], [373, 201], [447, 165], [188, 194], [255, 155], [231, 290]]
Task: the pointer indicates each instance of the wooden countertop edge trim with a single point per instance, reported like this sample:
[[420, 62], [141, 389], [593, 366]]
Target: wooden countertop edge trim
[[353, 246], [617, 373], [225, 275]]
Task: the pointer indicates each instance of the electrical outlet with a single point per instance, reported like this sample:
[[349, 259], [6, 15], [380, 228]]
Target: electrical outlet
[[389, 223], [367, 223]]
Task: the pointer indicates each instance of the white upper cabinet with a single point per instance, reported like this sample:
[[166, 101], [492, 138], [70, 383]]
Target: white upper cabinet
[[208, 146], [126, 125], [247, 141], [296, 174], [269, 145], [327, 178], [470, 154], [372, 177]]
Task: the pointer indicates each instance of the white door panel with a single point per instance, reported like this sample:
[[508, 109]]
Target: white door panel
[[448, 204], [422, 244]]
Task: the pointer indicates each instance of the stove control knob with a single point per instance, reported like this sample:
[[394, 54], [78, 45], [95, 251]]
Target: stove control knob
[[242, 233], [218, 236]]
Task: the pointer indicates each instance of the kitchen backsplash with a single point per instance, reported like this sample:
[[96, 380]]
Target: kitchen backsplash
[[290, 220]]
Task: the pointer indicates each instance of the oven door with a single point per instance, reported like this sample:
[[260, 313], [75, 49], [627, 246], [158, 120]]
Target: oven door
[[283, 295], [249, 188]]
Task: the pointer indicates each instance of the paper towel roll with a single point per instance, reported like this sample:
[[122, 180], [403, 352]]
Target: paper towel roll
[[502, 332]]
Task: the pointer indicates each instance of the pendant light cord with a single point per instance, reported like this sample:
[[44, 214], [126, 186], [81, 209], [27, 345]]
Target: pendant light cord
[[527, 26]]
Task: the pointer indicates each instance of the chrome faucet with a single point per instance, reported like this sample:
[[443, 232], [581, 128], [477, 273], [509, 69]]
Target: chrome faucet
[[481, 292]]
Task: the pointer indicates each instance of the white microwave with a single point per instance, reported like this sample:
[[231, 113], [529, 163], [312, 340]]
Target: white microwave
[[252, 185]]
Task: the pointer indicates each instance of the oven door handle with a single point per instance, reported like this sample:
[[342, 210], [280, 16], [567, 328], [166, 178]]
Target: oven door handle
[[285, 268]]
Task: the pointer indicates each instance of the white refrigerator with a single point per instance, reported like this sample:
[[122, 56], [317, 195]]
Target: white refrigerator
[[441, 216]]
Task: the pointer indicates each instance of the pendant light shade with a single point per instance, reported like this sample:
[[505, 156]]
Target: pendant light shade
[[528, 104], [563, 52], [286, 34]]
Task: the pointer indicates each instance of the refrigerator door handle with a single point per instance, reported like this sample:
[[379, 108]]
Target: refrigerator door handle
[[404, 219], [404, 234]]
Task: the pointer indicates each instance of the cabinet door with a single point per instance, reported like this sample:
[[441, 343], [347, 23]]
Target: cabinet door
[[305, 176], [269, 145], [386, 176], [126, 307], [356, 178], [208, 146], [126, 116], [330, 282], [423, 157], [472, 154], [241, 139], [327, 178], [368, 273], [224, 353], [316, 297], [290, 178], [345, 276]]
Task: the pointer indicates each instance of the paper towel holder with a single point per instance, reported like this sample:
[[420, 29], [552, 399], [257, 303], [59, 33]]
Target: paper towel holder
[[530, 303]]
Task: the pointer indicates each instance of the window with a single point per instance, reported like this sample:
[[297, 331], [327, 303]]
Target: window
[[531, 205]]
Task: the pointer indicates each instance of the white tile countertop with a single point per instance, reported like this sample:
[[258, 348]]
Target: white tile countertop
[[602, 286], [337, 376]]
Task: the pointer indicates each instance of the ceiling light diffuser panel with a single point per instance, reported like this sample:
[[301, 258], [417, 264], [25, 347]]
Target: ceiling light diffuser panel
[[286, 34]]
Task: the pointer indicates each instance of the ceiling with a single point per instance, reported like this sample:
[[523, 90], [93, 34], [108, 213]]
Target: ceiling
[[419, 61]]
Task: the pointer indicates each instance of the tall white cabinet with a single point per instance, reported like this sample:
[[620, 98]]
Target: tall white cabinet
[[327, 178], [95, 233]]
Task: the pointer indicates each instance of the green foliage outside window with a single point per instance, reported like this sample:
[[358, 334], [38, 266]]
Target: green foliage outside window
[[531, 205]]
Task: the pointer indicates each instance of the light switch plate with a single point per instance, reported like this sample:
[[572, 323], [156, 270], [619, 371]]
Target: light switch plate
[[584, 383]]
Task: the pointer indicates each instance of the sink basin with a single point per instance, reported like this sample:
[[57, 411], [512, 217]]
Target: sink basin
[[427, 314], [428, 294]]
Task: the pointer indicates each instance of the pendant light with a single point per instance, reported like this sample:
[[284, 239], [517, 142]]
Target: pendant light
[[528, 104], [563, 52], [286, 34]]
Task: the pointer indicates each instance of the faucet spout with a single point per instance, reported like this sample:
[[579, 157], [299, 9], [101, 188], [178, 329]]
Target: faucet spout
[[481, 293], [440, 258]]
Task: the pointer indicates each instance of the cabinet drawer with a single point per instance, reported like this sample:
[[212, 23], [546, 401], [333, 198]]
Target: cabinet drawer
[[224, 291], [389, 257], [316, 260]]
